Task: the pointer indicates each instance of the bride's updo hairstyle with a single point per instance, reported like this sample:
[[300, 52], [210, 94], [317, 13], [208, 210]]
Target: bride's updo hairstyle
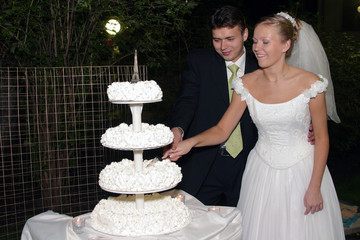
[[288, 27]]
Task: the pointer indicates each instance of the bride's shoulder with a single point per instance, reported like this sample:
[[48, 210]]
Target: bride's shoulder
[[311, 83], [305, 78], [250, 78], [241, 85], [309, 78]]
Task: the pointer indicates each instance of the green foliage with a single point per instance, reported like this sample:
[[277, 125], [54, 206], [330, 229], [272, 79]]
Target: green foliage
[[343, 51], [152, 27], [347, 188], [71, 33]]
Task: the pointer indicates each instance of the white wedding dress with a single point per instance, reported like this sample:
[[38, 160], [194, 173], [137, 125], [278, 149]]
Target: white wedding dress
[[278, 172]]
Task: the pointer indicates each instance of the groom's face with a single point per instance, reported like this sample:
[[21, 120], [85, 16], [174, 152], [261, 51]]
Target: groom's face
[[229, 42]]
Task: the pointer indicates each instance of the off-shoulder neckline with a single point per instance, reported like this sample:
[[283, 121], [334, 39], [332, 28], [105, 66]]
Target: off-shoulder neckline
[[290, 100], [280, 103]]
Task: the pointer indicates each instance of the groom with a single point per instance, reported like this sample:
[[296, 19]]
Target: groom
[[211, 174]]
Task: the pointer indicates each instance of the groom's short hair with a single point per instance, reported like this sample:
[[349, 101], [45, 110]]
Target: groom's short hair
[[227, 16]]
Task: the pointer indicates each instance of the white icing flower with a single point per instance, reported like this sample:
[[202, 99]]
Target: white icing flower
[[119, 215], [122, 176], [123, 136], [140, 91]]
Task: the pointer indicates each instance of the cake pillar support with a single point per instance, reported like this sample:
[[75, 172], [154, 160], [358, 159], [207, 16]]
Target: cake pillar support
[[138, 160], [139, 198], [136, 110]]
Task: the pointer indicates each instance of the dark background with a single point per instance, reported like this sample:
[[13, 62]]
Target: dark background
[[163, 36]]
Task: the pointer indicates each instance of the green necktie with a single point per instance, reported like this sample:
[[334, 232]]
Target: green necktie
[[234, 144]]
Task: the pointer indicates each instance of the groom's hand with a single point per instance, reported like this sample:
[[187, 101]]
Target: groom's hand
[[311, 135]]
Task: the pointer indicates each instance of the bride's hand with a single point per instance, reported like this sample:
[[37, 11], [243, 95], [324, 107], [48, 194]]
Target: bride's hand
[[177, 138], [181, 149], [313, 200]]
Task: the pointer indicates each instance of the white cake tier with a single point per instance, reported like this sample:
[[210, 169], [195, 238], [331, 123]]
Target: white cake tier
[[121, 177], [160, 215], [139, 91], [123, 137], [134, 102]]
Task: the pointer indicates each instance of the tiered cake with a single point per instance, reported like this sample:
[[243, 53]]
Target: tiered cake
[[144, 211]]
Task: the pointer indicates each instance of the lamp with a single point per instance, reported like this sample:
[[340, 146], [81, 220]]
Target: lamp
[[112, 27]]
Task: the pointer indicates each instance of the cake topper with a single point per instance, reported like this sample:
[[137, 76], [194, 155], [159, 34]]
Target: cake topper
[[135, 76]]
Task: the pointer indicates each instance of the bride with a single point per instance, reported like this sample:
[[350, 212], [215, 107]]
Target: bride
[[287, 191]]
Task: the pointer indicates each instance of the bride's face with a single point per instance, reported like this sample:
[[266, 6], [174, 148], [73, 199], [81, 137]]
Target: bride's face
[[268, 46]]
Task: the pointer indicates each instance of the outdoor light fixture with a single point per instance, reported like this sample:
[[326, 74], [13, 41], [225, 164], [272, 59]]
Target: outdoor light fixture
[[358, 9], [112, 27]]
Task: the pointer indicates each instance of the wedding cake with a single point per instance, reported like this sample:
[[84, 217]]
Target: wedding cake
[[142, 211]]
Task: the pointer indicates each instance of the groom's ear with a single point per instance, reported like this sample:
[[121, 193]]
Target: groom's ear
[[245, 34]]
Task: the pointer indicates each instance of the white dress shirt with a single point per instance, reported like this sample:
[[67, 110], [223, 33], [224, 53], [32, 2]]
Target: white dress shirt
[[241, 64]]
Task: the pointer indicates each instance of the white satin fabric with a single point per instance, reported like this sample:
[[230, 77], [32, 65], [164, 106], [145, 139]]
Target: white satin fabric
[[279, 170], [309, 54], [222, 224], [47, 225]]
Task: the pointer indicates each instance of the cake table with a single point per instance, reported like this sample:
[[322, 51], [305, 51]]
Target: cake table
[[224, 223]]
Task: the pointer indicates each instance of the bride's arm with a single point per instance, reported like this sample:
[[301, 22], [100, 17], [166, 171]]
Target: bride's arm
[[313, 200], [215, 135]]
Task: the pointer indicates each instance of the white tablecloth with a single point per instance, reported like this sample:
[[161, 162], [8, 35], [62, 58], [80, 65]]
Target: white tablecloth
[[222, 224]]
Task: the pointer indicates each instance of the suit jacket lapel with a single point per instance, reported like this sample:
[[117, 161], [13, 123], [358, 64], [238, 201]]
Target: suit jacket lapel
[[219, 74], [220, 78]]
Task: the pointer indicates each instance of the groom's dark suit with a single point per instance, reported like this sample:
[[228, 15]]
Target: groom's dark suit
[[203, 100]]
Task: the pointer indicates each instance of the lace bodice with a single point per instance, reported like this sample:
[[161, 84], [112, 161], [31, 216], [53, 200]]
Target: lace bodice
[[282, 127]]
